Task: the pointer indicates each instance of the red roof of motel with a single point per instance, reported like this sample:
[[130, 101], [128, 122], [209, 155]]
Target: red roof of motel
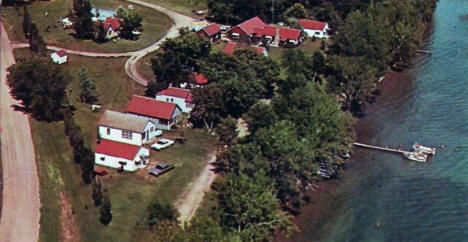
[[211, 29], [150, 107], [198, 78], [265, 31], [117, 149], [230, 48], [177, 92], [62, 53], [249, 25], [289, 34], [112, 22], [312, 24]]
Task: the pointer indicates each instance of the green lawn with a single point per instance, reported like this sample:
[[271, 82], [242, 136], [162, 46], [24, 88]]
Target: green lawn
[[155, 25], [130, 193], [187, 7], [144, 66]]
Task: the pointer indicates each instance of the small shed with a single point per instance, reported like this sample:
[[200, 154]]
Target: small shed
[[59, 57]]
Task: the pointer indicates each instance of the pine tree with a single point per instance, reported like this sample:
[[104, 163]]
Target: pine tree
[[82, 19], [106, 214], [36, 42], [87, 86], [26, 22], [97, 192]]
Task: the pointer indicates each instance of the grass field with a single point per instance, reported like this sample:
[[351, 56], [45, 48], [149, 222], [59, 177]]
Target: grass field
[[187, 7], [144, 66], [155, 25], [130, 193]]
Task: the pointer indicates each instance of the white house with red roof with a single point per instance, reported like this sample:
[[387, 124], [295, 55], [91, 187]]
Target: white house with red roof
[[59, 57], [314, 28], [182, 97], [288, 37], [120, 155], [212, 32], [112, 27], [163, 114], [125, 128]]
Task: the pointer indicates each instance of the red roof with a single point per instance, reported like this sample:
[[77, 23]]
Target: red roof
[[112, 22], [265, 31], [230, 48], [62, 53], [211, 29], [289, 34], [198, 78], [150, 107], [312, 24], [117, 149], [250, 25], [177, 92]]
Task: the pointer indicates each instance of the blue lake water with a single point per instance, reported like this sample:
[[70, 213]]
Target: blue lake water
[[382, 197]]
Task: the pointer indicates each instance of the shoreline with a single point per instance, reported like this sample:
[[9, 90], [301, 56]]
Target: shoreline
[[322, 203], [324, 199]]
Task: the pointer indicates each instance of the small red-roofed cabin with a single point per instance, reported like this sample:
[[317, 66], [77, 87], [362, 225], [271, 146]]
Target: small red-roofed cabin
[[260, 50], [112, 27], [230, 48], [246, 30], [182, 97], [212, 32], [290, 37], [120, 155], [59, 57], [314, 28], [163, 114], [198, 80]]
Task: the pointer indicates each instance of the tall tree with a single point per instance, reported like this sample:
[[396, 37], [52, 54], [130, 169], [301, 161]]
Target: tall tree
[[180, 57], [227, 131], [26, 22], [105, 211], [87, 86], [36, 42], [40, 86], [82, 19], [132, 22], [97, 192]]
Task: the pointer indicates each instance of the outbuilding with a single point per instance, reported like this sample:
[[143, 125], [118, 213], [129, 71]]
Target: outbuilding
[[120, 155], [212, 32], [59, 57]]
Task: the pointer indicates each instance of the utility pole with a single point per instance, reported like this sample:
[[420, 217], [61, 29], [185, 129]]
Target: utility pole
[[272, 11]]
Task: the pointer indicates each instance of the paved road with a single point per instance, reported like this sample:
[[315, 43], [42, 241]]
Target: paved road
[[20, 210]]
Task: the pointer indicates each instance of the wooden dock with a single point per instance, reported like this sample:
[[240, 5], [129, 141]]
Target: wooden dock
[[380, 148]]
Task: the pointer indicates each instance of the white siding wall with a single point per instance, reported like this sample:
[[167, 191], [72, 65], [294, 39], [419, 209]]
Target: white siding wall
[[161, 125], [318, 33], [116, 135], [179, 101], [151, 132], [112, 161]]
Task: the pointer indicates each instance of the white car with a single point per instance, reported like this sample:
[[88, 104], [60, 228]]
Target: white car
[[162, 144]]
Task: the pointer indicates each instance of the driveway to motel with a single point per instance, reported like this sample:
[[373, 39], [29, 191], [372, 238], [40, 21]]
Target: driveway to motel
[[20, 210]]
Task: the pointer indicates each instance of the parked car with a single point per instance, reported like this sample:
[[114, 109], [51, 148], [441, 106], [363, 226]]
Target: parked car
[[162, 144], [101, 172], [160, 169]]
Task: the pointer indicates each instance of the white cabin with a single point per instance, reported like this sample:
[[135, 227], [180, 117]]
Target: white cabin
[[120, 155], [59, 57], [179, 96], [315, 28], [125, 128]]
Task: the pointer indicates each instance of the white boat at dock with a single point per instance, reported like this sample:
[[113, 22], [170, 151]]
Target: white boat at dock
[[415, 156], [424, 149]]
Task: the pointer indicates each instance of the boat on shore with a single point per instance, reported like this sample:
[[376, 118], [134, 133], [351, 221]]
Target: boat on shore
[[424, 149], [415, 156]]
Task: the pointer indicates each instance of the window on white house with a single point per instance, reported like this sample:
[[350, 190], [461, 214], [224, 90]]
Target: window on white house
[[143, 135], [108, 131], [103, 158], [127, 134], [152, 129], [172, 100], [317, 33], [167, 99]]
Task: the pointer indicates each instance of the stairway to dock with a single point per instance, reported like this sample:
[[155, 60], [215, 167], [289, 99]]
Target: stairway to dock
[[380, 148]]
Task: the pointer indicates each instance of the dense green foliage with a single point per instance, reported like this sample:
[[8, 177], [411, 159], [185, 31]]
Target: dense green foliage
[[40, 86], [105, 211], [87, 86], [82, 19]]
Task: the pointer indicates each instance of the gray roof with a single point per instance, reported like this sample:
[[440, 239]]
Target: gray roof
[[123, 121]]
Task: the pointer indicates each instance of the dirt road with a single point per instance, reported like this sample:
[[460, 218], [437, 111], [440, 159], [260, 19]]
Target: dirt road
[[190, 200], [20, 210]]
